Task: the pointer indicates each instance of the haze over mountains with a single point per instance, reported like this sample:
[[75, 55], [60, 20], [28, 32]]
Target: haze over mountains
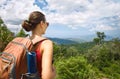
[[80, 39], [76, 38]]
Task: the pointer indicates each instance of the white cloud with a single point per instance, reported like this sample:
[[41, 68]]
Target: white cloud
[[102, 28], [66, 6], [16, 10], [73, 13], [80, 13], [2, 2]]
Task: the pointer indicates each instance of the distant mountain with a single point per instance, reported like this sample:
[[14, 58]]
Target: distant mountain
[[80, 39], [85, 38], [112, 37], [62, 41], [89, 38], [108, 38]]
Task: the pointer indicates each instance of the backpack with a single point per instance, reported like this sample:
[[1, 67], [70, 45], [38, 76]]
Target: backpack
[[13, 60]]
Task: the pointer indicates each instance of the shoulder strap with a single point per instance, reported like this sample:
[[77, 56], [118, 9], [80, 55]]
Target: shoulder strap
[[38, 44], [41, 41]]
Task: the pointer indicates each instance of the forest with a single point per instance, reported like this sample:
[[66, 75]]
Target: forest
[[99, 59]]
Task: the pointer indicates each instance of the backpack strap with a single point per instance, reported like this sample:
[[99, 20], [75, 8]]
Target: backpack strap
[[41, 41], [37, 44]]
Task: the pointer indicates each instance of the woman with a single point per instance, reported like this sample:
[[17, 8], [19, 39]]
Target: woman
[[38, 25]]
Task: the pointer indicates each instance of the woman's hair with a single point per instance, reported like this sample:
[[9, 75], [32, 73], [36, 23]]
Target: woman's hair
[[35, 18]]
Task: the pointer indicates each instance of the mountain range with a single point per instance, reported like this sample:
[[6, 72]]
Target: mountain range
[[80, 39], [63, 41]]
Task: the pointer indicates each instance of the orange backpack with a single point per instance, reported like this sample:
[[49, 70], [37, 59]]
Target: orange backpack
[[13, 60]]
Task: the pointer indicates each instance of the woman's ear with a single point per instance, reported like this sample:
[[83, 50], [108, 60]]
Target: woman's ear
[[41, 23]]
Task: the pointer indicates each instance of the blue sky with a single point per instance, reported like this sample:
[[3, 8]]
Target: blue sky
[[67, 18]]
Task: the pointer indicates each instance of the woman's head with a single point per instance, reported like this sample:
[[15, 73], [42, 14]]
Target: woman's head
[[34, 19]]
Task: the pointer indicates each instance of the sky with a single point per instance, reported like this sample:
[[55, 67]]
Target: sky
[[67, 18]]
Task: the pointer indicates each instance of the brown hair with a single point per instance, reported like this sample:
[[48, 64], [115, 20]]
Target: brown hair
[[35, 18]]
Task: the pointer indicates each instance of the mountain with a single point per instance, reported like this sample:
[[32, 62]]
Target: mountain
[[80, 39], [63, 41], [89, 38], [85, 38], [107, 38]]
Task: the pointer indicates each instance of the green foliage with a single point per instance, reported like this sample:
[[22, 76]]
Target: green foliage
[[100, 38], [100, 61], [79, 61], [106, 58], [71, 51], [5, 35], [64, 51], [113, 71], [1, 21], [96, 40], [74, 68], [82, 48], [21, 33]]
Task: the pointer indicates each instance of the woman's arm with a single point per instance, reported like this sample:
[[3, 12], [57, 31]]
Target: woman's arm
[[48, 71]]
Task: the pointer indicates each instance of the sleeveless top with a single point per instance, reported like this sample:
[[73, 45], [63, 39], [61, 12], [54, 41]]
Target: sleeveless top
[[39, 57]]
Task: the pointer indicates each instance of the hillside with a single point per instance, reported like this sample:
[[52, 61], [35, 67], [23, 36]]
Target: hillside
[[63, 41]]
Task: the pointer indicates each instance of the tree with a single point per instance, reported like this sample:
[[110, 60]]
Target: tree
[[5, 35], [1, 21], [115, 47], [71, 51], [96, 40], [74, 68], [106, 58], [100, 38], [21, 33]]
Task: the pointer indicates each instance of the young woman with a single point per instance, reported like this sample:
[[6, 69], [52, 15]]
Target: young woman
[[38, 25]]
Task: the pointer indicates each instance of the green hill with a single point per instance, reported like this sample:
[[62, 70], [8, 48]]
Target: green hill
[[63, 41]]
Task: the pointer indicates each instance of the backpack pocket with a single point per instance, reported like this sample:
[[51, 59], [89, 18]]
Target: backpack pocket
[[7, 67]]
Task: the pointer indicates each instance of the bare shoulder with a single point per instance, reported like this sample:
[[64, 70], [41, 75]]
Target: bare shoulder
[[47, 47], [47, 43]]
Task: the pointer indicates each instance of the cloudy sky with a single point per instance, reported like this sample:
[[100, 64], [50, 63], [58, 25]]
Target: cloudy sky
[[67, 18]]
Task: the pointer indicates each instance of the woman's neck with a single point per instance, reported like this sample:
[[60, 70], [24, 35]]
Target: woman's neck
[[35, 33], [35, 38]]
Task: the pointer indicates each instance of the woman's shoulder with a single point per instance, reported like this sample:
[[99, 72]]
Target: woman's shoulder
[[47, 45], [44, 43], [47, 41]]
